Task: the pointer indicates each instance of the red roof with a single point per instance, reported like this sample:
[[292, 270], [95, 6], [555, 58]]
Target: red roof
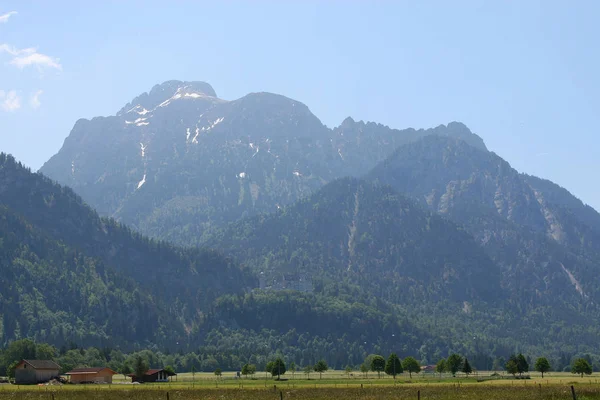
[[87, 371], [150, 372], [41, 364], [153, 371]]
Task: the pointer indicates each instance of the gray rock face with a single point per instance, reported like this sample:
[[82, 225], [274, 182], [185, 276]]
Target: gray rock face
[[178, 160]]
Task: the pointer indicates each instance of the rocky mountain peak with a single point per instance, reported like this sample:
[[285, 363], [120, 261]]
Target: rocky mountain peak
[[460, 131], [165, 92]]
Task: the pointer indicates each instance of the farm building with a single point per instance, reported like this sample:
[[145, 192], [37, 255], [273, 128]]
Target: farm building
[[91, 375], [153, 375], [36, 371]]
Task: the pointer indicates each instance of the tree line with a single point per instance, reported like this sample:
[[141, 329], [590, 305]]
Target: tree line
[[139, 362]]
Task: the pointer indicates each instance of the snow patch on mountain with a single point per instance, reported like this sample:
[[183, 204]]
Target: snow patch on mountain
[[143, 148], [187, 135], [211, 126], [195, 139], [138, 122], [138, 109], [141, 183]]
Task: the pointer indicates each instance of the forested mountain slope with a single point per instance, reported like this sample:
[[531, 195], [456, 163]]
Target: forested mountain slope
[[369, 236], [68, 277], [538, 233], [355, 240], [68, 274]]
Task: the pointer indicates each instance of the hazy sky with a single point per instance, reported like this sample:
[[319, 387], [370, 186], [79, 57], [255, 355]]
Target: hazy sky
[[524, 75]]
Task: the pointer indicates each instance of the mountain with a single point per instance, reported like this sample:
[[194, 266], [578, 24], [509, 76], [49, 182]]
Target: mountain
[[370, 237], [359, 241], [546, 240], [441, 238], [179, 161], [68, 275]]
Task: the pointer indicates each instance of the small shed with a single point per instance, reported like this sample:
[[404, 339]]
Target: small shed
[[36, 371], [153, 375], [91, 375]]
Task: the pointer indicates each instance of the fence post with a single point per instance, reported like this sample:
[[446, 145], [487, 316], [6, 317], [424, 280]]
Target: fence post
[[419, 395], [167, 395], [573, 392], [280, 395]]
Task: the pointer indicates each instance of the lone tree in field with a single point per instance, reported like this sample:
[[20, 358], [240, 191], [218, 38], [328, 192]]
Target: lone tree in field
[[511, 366], [542, 365], [307, 370], [348, 371], [252, 369], [411, 365], [440, 367], [522, 364], [277, 367], [466, 368], [581, 366], [364, 369], [246, 370], [453, 363], [293, 368], [378, 365], [320, 367], [140, 367], [393, 366], [218, 372]]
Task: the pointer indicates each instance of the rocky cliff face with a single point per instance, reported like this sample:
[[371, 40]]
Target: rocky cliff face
[[178, 160]]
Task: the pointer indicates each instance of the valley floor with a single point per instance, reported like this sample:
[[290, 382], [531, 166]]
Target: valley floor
[[333, 385]]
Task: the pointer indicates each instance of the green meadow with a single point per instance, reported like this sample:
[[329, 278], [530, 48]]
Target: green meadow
[[333, 385]]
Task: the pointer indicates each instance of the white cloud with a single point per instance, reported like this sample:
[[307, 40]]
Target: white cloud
[[34, 101], [37, 59], [10, 100], [4, 18], [13, 51]]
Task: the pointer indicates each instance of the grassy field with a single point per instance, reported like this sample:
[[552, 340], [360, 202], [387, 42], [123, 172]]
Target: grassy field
[[334, 385]]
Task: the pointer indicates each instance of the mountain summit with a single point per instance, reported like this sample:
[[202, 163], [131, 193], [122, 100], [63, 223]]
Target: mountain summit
[[167, 92], [177, 161]]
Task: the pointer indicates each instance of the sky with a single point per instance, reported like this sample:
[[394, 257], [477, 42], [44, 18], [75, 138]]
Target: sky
[[524, 75]]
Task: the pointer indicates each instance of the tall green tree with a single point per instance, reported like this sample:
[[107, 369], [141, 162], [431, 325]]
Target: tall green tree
[[348, 371], [140, 366], [364, 369], [542, 365], [454, 363], [44, 351], [245, 370], [307, 370], [218, 372], [293, 368], [320, 367], [512, 365], [393, 366], [440, 367], [378, 364], [277, 368], [125, 370], [17, 351], [466, 368], [581, 366], [522, 364], [411, 365], [10, 370]]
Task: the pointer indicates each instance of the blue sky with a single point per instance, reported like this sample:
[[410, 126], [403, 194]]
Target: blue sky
[[524, 75]]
